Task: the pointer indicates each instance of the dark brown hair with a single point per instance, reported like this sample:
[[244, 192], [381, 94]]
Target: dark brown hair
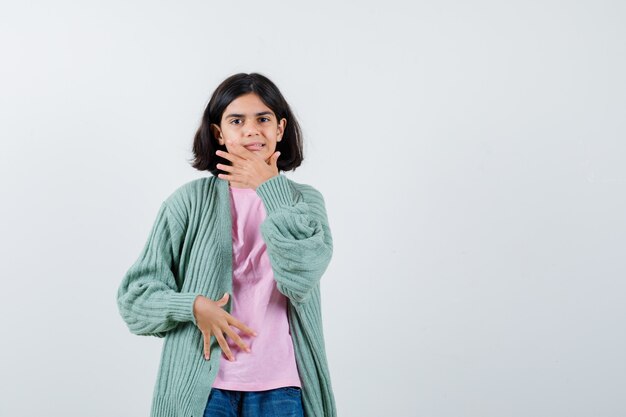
[[205, 144]]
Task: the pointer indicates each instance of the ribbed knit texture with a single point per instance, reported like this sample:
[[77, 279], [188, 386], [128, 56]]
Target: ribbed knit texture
[[189, 253]]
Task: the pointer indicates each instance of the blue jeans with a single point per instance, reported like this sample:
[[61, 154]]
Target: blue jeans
[[278, 402]]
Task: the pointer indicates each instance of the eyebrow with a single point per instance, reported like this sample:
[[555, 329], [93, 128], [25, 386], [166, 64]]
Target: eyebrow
[[262, 113]]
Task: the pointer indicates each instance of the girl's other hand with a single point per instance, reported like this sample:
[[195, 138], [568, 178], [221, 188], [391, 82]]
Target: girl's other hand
[[211, 318], [247, 168]]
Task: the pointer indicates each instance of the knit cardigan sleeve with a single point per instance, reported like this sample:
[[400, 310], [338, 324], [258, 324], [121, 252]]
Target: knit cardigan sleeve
[[149, 297], [297, 236]]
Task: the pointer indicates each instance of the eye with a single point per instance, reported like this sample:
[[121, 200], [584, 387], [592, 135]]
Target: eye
[[234, 120], [265, 118]]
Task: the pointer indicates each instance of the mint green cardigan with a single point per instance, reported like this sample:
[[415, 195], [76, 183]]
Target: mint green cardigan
[[189, 253]]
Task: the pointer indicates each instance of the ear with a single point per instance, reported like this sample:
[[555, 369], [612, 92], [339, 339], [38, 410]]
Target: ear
[[217, 133], [281, 129]]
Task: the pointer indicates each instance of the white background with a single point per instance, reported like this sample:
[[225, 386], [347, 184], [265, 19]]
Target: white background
[[472, 159]]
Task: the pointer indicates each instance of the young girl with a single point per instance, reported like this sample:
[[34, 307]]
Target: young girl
[[230, 273]]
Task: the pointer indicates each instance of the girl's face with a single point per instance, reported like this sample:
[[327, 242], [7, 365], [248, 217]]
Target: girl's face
[[247, 121]]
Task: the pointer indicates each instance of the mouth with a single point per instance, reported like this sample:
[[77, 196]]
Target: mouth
[[256, 146]]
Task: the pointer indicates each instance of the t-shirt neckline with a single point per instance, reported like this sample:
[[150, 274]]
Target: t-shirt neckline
[[242, 190]]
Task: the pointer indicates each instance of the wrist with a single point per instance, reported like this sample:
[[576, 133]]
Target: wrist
[[277, 192], [264, 180]]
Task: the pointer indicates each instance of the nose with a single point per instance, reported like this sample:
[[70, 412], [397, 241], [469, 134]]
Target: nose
[[250, 128]]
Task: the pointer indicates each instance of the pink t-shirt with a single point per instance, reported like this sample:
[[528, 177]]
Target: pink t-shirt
[[257, 303]]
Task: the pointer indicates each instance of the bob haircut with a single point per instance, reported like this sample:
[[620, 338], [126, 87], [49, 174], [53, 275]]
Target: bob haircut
[[205, 144]]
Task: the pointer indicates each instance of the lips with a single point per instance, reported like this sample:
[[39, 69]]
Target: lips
[[256, 146]]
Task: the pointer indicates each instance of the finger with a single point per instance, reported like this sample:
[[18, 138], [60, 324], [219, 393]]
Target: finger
[[274, 160], [228, 168], [224, 344], [235, 178], [207, 344], [234, 322], [222, 301], [232, 157], [236, 338]]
